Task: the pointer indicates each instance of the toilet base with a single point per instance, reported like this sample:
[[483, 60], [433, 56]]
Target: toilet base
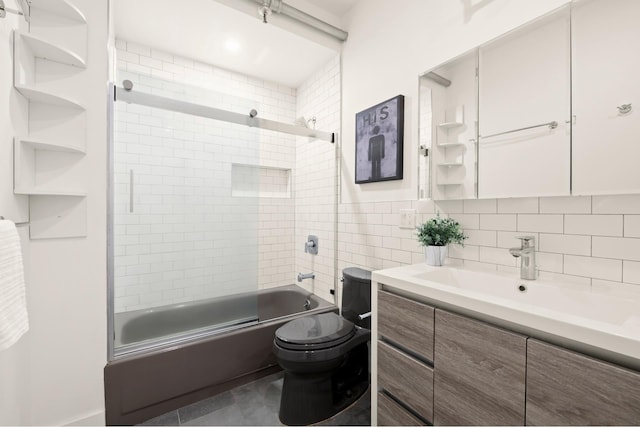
[[314, 397]]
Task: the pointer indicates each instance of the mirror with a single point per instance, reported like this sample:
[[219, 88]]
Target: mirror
[[556, 103], [447, 130], [524, 103], [605, 94]]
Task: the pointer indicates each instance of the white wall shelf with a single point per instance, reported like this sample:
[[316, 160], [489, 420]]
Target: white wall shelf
[[451, 144], [452, 164], [33, 163], [41, 48], [61, 8], [49, 192], [48, 163], [450, 125], [46, 97], [50, 146]]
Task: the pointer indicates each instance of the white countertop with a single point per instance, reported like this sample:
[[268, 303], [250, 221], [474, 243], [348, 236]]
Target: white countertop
[[603, 323]]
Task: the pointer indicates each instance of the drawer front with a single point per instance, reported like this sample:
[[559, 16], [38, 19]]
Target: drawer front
[[410, 381], [479, 373], [568, 388], [406, 322], [392, 414]]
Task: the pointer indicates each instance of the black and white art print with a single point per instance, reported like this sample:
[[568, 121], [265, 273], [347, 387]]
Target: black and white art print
[[379, 134]]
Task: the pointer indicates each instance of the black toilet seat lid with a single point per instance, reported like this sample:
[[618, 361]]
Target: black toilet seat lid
[[315, 329]]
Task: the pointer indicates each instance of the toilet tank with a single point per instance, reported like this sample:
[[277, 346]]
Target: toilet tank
[[356, 295]]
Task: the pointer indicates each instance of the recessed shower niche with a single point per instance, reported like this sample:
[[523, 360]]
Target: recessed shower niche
[[260, 181]]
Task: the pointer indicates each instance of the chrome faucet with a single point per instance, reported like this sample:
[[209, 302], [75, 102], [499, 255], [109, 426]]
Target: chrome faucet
[[526, 251], [301, 276]]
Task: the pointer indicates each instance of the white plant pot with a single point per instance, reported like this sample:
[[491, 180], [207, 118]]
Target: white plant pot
[[435, 255]]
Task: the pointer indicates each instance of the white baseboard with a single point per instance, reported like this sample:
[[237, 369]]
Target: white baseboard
[[96, 419]]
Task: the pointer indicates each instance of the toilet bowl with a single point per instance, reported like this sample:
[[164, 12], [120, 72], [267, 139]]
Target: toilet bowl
[[325, 357]]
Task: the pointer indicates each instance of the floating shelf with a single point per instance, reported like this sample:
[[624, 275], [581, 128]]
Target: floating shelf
[[44, 49], [46, 97], [48, 192], [50, 146], [450, 125], [450, 164], [61, 8], [450, 183]]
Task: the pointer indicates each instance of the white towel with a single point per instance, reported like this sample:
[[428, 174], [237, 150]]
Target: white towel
[[14, 321]]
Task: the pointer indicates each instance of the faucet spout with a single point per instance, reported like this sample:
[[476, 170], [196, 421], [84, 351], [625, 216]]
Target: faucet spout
[[527, 251], [303, 276]]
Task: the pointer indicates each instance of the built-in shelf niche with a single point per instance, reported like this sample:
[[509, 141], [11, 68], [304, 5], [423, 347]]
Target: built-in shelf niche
[[62, 24], [260, 181], [48, 161], [41, 168], [57, 217]]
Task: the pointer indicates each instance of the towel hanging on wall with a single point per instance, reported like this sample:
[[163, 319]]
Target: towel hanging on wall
[[14, 321]]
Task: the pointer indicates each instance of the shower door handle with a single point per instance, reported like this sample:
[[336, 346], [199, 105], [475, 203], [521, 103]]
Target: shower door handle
[[131, 190]]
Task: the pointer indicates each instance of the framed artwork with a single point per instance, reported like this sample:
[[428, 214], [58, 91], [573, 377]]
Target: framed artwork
[[379, 136]]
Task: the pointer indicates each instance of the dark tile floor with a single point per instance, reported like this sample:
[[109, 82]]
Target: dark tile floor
[[253, 404]]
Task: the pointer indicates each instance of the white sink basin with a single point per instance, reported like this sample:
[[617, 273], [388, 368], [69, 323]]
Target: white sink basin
[[539, 294], [604, 320]]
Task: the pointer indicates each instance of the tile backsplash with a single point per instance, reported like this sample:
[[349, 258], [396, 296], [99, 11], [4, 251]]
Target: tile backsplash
[[584, 240]]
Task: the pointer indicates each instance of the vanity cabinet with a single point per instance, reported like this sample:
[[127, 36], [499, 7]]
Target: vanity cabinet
[[391, 413], [568, 388], [407, 323], [405, 361], [480, 373]]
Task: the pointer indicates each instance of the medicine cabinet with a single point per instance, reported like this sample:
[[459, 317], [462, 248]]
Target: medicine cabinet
[[544, 110]]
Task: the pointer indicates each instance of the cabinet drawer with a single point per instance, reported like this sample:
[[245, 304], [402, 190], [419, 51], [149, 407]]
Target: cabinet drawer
[[406, 322], [568, 388], [405, 378], [392, 414]]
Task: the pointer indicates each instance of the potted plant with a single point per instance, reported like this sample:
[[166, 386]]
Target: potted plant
[[436, 234]]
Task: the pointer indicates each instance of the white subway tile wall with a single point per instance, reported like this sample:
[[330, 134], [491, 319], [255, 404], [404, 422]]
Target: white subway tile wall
[[582, 241], [189, 237], [315, 177]]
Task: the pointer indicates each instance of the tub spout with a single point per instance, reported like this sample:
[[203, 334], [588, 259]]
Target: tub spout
[[302, 276]]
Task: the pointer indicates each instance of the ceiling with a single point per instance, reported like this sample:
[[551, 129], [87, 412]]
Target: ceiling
[[229, 37]]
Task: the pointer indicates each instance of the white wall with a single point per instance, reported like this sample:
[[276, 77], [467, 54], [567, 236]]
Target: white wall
[[587, 241], [54, 374], [14, 366], [316, 178]]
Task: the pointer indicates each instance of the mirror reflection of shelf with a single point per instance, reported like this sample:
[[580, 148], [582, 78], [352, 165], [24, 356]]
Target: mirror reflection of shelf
[[451, 144], [450, 183], [453, 118]]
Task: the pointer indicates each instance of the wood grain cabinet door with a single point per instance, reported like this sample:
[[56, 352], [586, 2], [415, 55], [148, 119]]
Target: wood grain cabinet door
[[407, 379], [406, 322], [392, 414], [479, 373], [567, 388]]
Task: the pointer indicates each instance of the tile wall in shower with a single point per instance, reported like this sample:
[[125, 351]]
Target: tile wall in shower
[[169, 251]]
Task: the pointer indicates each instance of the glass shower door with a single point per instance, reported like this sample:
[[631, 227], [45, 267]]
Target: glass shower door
[[184, 223]]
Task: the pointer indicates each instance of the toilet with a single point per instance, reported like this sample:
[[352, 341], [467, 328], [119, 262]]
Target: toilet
[[325, 357]]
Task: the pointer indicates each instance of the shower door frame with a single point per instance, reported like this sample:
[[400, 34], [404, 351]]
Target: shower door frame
[[116, 94]]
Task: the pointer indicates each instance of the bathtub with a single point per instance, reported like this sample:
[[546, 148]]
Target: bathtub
[[174, 355]]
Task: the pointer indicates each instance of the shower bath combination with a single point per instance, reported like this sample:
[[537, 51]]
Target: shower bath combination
[[205, 239]]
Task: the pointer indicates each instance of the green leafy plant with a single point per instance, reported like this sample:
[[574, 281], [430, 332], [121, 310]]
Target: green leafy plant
[[440, 231]]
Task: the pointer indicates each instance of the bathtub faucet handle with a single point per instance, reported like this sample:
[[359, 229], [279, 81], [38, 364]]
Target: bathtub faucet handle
[[311, 245]]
